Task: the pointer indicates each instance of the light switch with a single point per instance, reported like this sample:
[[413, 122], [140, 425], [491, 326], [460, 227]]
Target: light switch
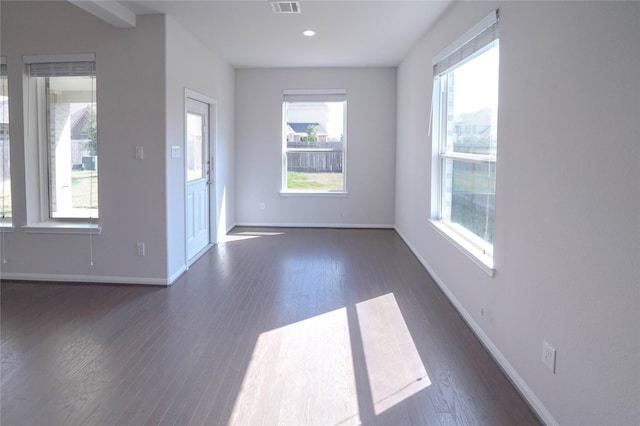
[[139, 153], [175, 151]]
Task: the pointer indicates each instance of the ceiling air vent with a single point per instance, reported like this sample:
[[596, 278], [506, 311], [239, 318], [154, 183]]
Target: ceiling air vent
[[285, 6]]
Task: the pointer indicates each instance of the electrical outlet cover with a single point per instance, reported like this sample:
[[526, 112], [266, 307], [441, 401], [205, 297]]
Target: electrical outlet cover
[[549, 356]]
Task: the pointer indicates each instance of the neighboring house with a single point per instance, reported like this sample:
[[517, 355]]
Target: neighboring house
[[473, 131], [297, 131], [79, 121], [80, 137]]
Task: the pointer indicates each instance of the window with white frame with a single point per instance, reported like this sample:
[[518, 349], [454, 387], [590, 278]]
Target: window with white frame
[[314, 141], [465, 114], [5, 163], [62, 90]]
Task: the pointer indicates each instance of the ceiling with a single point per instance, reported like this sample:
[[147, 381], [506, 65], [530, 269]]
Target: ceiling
[[350, 33]]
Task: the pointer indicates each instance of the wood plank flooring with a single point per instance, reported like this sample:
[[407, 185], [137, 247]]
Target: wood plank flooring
[[272, 326]]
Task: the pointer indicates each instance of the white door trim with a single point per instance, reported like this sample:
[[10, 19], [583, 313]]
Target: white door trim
[[212, 130]]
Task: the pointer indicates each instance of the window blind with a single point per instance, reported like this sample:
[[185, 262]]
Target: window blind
[[477, 39], [81, 65], [322, 95]]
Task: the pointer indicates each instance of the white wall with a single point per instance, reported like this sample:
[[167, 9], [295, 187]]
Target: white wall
[[371, 111], [190, 65], [131, 97], [567, 233]]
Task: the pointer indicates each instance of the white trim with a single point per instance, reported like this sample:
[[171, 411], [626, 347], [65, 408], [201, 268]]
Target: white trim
[[314, 194], [89, 279], [212, 105], [489, 20], [198, 255], [188, 93], [69, 57], [483, 260], [62, 228], [176, 275], [502, 361], [315, 225]]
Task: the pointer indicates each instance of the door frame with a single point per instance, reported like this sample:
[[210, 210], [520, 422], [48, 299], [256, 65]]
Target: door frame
[[213, 211]]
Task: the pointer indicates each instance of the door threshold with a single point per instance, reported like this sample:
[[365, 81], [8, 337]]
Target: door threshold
[[198, 255]]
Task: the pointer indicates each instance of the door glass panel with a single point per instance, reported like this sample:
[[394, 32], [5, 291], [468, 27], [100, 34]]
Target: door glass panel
[[194, 147]]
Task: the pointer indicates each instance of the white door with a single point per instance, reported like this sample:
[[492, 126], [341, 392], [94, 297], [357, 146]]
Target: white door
[[198, 172]]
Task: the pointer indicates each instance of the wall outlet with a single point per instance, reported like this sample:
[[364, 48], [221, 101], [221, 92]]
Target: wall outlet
[[262, 206], [139, 152], [549, 356], [140, 249]]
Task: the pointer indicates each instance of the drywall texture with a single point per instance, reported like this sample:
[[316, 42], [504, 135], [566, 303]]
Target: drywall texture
[[371, 112], [130, 102], [567, 232], [192, 66]]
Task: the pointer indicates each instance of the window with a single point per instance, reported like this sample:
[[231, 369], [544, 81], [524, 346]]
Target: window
[[63, 92], [5, 164], [464, 137], [314, 141]]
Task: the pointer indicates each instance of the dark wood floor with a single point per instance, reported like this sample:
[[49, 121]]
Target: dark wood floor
[[272, 326]]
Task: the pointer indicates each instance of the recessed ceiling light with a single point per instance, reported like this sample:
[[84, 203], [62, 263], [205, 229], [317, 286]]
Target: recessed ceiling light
[[309, 33]]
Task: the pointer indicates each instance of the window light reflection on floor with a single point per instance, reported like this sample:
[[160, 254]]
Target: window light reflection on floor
[[303, 373], [395, 369], [300, 374], [248, 235]]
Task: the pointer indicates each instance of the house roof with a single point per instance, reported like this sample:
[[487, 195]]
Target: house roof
[[302, 127]]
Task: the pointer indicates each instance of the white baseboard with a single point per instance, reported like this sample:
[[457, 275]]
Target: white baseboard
[[87, 279], [316, 225], [176, 274], [502, 361]]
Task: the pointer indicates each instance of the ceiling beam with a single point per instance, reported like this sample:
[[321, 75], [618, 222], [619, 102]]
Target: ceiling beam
[[112, 12]]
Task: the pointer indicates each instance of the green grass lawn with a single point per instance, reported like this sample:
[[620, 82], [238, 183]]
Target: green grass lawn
[[314, 181], [5, 198], [84, 189], [472, 182]]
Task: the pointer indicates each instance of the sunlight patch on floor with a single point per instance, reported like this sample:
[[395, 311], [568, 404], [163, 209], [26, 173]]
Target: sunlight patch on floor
[[301, 374], [394, 366], [248, 235]]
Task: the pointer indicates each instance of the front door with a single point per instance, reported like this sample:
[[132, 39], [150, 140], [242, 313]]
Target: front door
[[198, 171]]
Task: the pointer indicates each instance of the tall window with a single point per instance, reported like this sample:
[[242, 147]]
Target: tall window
[[314, 140], [464, 136], [5, 165], [64, 94]]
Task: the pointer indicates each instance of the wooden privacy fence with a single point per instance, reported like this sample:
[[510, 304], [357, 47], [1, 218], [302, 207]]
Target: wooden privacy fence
[[328, 158]]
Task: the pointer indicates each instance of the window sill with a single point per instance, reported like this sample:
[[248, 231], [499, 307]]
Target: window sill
[[6, 226], [314, 193], [63, 228], [472, 252]]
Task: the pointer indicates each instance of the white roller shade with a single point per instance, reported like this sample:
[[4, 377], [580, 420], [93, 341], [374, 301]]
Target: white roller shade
[[321, 95], [480, 37], [80, 65]]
